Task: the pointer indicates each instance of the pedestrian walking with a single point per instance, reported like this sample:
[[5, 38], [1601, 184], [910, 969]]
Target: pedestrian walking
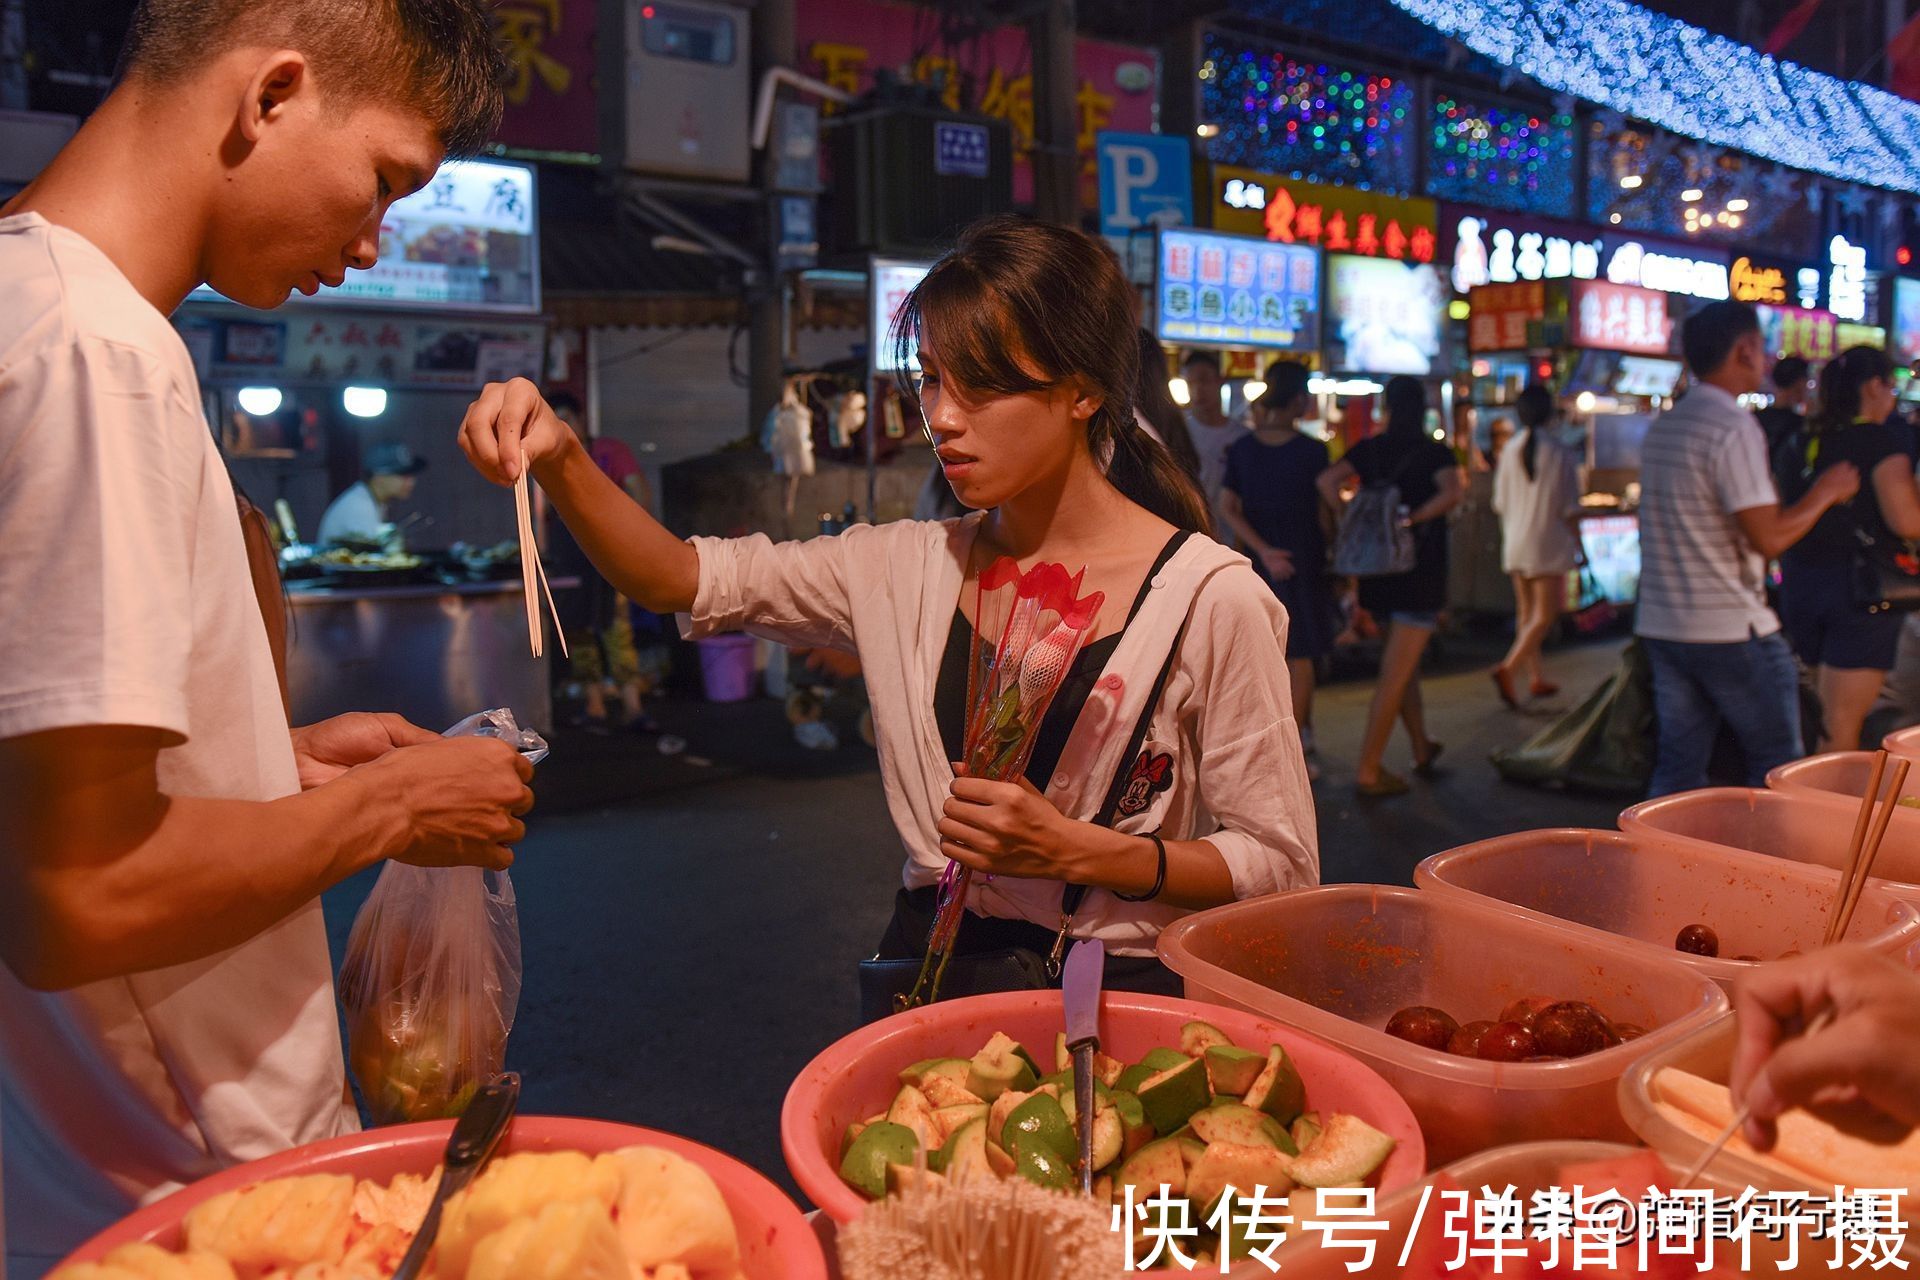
[[1210, 427], [1536, 493], [1786, 417]]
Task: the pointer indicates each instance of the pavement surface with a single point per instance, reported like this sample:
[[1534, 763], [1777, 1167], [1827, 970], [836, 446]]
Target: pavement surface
[[690, 924]]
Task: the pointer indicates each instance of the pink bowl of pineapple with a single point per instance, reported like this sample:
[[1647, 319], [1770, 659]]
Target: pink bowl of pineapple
[[1191, 1096]]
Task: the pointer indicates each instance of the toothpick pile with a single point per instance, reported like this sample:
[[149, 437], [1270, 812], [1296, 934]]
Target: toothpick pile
[[1869, 829], [981, 1229], [531, 568]]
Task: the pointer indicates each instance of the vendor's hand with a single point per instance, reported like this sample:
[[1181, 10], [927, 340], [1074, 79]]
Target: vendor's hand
[[1871, 1049], [1277, 563], [1003, 828], [460, 800], [507, 418], [328, 749], [1838, 483]]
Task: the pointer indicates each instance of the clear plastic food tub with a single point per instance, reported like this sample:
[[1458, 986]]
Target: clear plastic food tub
[[1647, 892], [1706, 1052], [1338, 961], [1800, 826], [1839, 773]]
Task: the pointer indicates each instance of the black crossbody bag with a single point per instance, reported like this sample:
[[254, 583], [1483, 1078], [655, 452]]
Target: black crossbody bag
[[1014, 968]]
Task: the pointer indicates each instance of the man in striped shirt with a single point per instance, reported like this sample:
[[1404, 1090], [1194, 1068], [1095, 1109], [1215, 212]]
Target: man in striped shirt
[[1710, 520]]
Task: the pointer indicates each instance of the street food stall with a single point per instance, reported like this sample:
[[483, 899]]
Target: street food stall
[[421, 613]]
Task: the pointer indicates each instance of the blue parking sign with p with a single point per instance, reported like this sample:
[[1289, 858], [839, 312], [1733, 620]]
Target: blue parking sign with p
[[1146, 181]]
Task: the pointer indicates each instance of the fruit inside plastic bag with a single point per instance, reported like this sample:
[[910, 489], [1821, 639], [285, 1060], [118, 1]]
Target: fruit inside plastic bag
[[431, 978]]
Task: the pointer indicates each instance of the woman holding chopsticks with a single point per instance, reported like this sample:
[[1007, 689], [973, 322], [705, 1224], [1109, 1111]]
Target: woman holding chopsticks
[[1166, 774]]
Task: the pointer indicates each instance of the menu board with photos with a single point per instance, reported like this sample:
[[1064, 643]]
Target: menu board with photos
[[1236, 291], [467, 241]]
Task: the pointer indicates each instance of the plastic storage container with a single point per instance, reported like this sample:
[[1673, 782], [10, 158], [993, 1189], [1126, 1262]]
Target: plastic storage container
[[1800, 826], [1707, 1052], [1904, 742], [1338, 961], [1840, 773], [1647, 892]]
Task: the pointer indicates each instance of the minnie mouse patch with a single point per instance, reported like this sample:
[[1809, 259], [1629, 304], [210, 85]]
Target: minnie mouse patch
[[1151, 774]]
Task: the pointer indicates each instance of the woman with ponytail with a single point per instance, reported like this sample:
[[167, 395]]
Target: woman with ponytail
[[1025, 334], [1536, 493], [1850, 648]]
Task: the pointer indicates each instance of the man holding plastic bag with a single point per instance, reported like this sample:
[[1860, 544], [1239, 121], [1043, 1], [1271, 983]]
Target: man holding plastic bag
[[166, 999]]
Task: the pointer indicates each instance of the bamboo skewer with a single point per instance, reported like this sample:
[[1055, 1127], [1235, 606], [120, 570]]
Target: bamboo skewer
[[1868, 833], [531, 569]]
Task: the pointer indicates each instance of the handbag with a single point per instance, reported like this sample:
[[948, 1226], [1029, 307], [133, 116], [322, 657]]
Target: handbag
[[1374, 539], [1596, 613], [1015, 968], [1885, 573]]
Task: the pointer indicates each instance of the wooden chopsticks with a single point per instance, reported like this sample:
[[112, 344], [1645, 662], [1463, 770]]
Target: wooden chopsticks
[[531, 568], [1869, 830]]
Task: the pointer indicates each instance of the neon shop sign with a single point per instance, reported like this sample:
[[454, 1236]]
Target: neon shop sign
[[1488, 254]]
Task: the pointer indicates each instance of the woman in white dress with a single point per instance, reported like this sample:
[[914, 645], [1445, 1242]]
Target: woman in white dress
[[1536, 491]]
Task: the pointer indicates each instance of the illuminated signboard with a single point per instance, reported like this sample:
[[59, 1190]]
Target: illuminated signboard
[[891, 280], [1501, 314], [1632, 262], [1906, 319], [1617, 317], [1799, 331], [1490, 252], [1847, 279], [467, 241], [1763, 282], [1336, 219], [1383, 317], [1234, 291]]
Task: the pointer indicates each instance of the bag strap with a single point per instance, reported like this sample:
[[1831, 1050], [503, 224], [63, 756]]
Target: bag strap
[[1072, 895]]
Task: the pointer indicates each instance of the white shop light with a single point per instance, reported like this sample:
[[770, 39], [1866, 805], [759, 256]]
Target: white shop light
[[1323, 386], [1254, 389], [1585, 401], [1692, 194], [1177, 388], [1631, 181], [364, 402], [259, 402]]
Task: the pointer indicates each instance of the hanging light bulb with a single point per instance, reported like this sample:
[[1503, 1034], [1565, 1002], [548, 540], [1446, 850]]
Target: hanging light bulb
[[259, 402]]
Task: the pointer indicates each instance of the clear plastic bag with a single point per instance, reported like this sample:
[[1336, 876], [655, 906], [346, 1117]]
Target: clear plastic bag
[[431, 978]]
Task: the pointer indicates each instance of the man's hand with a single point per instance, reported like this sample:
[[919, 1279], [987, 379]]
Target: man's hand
[[1278, 563], [462, 799], [328, 749]]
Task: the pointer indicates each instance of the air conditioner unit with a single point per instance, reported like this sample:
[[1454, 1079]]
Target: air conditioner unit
[[685, 90], [906, 179]]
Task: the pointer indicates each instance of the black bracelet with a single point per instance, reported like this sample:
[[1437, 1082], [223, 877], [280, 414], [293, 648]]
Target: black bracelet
[[1159, 878]]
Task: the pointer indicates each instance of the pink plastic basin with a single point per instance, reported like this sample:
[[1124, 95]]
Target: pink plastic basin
[[1904, 742], [775, 1241], [1839, 773], [1800, 826], [859, 1074], [1338, 961], [1647, 892]]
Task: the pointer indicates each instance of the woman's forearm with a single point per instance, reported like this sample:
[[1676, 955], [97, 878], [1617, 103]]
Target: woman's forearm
[[1102, 858], [631, 549]]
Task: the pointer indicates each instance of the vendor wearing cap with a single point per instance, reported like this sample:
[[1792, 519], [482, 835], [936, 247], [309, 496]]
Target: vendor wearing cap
[[360, 513]]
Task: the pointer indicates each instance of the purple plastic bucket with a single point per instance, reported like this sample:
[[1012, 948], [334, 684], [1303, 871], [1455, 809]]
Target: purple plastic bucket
[[726, 668]]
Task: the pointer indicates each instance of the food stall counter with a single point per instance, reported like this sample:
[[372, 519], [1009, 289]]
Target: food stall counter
[[433, 652]]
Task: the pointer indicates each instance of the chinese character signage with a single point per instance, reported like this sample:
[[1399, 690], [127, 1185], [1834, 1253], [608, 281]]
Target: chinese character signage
[[1336, 219], [369, 346], [1685, 269], [1502, 314], [1383, 317], [1847, 279], [1762, 282], [960, 150], [550, 93], [846, 42], [1799, 331], [1617, 317], [467, 241], [1495, 249], [1234, 291]]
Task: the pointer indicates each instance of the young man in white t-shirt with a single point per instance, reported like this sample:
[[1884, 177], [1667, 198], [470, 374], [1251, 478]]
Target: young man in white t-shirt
[[1710, 520], [166, 1001]]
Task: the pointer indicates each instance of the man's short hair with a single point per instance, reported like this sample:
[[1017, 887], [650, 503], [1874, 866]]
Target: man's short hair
[[438, 57], [1206, 358], [1707, 337], [1286, 382], [1790, 371]]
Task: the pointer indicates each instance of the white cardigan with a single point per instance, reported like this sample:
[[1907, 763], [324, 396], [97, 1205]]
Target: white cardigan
[[888, 592]]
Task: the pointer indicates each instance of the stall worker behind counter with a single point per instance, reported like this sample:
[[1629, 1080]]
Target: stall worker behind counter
[[360, 512]]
